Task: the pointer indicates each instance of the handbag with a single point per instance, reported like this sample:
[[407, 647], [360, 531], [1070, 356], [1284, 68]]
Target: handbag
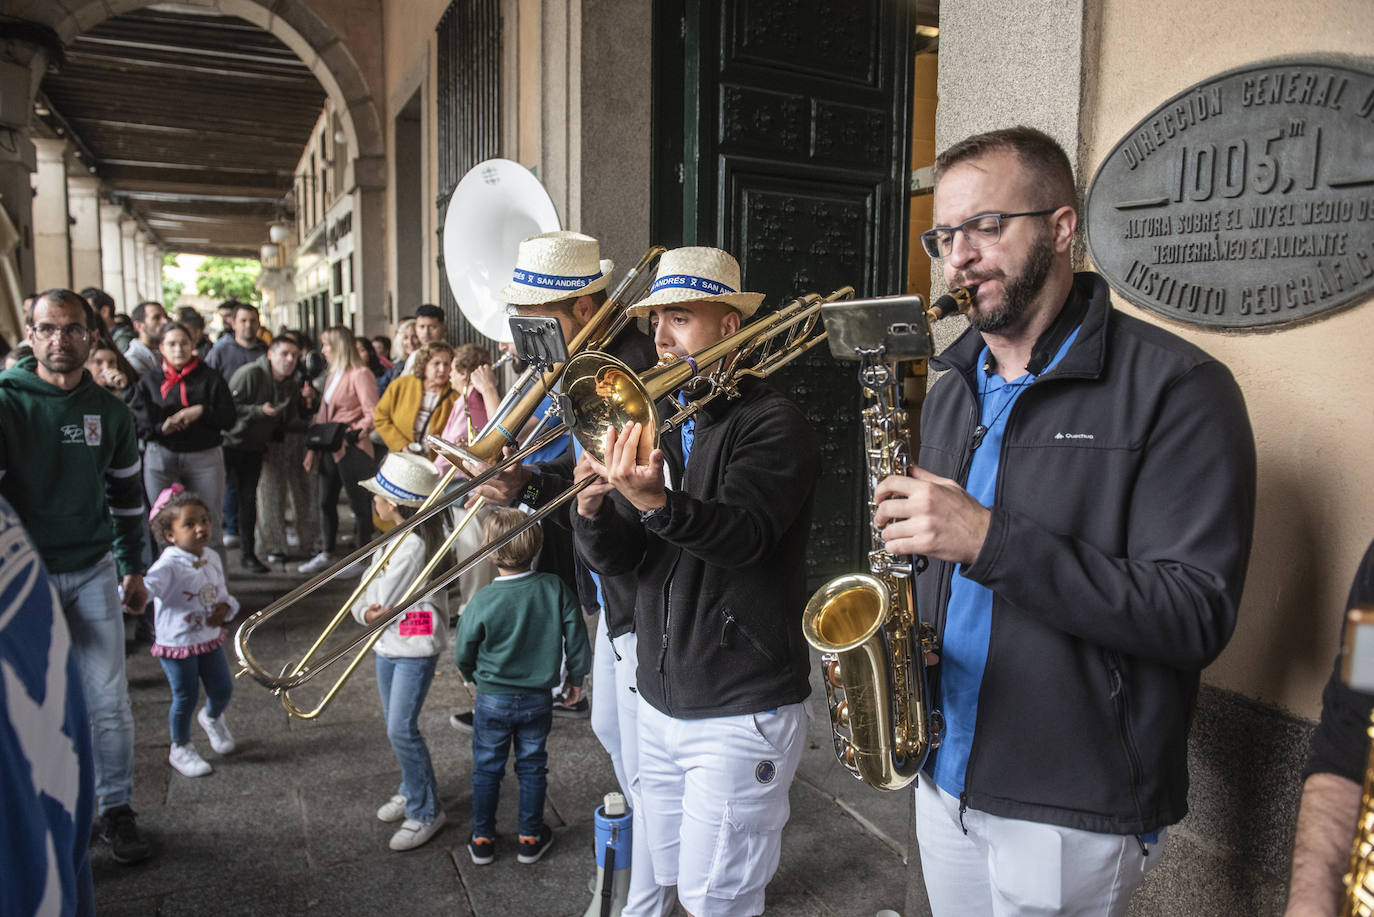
[[326, 437]]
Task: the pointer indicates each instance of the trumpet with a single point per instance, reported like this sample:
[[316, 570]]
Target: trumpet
[[486, 448], [601, 394]]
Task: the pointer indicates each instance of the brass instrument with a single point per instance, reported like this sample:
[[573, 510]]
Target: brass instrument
[[600, 393], [487, 447], [866, 625], [1355, 672]]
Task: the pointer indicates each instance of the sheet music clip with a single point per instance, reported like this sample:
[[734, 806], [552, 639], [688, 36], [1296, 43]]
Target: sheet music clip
[[539, 341], [897, 324]]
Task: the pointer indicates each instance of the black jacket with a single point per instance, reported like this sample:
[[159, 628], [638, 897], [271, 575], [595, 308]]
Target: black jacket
[[203, 386], [1118, 543], [551, 478], [721, 569]]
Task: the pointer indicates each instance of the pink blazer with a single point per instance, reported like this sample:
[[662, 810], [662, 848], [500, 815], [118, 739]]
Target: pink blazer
[[353, 402]]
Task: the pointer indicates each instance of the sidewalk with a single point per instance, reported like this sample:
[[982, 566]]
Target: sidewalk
[[286, 825]]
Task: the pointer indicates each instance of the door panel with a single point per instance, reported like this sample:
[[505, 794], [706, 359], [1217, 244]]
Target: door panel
[[783, 126]]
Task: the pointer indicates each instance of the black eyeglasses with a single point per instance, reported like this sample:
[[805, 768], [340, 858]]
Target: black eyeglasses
[[48, 332], [982, 231]]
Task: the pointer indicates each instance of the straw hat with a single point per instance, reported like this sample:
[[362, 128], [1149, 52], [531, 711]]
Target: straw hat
[[697, 274], [556, 265], [404, 479]]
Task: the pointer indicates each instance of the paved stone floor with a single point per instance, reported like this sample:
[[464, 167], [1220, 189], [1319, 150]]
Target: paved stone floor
[[286, 825]]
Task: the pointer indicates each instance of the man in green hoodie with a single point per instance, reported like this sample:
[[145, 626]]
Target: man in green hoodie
[[69, 466]]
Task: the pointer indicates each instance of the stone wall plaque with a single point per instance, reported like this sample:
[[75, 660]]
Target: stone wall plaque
[[1245, 202]]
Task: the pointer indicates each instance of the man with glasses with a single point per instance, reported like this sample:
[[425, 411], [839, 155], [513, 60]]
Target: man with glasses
[[69, 466], [1085, 495]]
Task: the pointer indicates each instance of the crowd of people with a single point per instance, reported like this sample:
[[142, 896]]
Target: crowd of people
[[1072, 582]]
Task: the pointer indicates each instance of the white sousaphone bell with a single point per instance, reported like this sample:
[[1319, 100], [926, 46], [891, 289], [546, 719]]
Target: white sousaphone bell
[[497, 205]]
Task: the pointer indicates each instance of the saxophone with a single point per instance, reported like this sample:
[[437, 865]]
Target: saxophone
[[866, 625], [1359, 880]]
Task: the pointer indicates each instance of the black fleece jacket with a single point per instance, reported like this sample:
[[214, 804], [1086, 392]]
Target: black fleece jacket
[[721, 569], [1119, 538], [203, 386]]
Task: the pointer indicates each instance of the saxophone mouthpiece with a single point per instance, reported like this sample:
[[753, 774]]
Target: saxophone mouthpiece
[[956, 300]]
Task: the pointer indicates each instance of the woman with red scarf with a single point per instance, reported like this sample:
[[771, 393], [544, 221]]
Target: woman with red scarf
[[182, 412]]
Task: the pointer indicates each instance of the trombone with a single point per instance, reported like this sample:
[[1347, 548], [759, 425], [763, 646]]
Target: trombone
[[601, 394], [512, 414]]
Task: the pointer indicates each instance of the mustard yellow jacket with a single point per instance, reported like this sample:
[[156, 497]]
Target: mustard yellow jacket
[[395, 414]]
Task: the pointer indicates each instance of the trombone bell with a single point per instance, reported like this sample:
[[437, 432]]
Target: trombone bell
[[605, 395]]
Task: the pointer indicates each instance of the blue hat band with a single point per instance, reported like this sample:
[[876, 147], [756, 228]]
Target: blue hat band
[[394, 490], [691, 282], [552, 281]]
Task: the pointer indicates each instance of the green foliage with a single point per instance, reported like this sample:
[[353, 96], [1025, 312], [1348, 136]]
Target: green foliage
[[229, 278], [171, 287]]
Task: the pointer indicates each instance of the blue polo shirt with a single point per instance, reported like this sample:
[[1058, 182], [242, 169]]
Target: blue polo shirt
[[968, 619], [559, 445]]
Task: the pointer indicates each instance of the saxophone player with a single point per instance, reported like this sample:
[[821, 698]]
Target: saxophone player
[[714, 525], [1085, 496], [1331, 791]]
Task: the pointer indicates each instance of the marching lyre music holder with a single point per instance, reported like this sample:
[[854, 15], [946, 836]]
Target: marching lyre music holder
[[539, 341], [897, 324]]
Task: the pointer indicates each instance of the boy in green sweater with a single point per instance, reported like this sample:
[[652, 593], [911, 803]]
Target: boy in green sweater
[[511, 641]]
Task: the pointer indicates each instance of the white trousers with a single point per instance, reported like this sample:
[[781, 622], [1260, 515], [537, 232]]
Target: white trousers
[[1006, 867], [615, 720], [714, 793]]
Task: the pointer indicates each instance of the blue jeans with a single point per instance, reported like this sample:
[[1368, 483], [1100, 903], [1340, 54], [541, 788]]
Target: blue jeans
[[403, 682], [90, 602], [183, 675], [497, 720]]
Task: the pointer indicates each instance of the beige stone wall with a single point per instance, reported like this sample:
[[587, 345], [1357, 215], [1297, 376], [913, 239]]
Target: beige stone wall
[[1309, 401]]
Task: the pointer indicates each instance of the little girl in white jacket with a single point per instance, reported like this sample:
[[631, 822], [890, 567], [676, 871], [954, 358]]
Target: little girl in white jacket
[[409, 647]]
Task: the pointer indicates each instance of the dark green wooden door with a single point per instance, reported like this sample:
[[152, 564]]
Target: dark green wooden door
[[781, 134]]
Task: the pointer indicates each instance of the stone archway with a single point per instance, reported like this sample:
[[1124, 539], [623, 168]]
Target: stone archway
[[302, 26], [316, 31]]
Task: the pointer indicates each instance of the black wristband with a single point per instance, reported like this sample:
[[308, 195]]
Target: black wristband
[[530, 494]]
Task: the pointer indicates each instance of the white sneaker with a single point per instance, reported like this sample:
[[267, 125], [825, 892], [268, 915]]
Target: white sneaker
[[292, 539], [394, 809], [231, 541], [317, 564], [188, 761], [413, 833], [218, 731]]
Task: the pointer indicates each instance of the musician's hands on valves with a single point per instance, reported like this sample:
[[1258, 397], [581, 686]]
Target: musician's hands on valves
[[642, 485], [923, 513]]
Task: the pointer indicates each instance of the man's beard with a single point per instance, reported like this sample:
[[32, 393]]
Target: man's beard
[[1018, 292]]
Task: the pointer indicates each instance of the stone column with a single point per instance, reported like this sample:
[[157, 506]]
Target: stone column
[[52, 254], [83, 203], [112, 254], [129, 247], [141, 265], [154, 255], [18, 157]]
